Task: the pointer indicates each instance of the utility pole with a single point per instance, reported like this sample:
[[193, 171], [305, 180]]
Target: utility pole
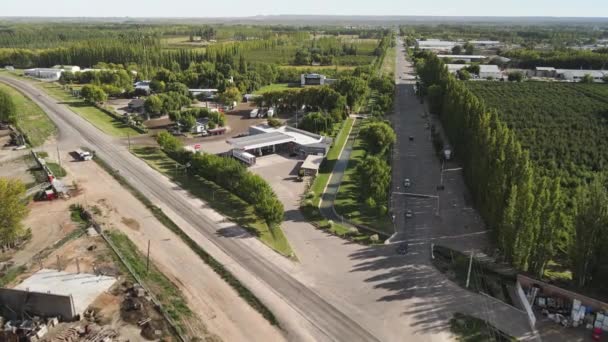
[[58, 155], [469, 271], [148, 259]]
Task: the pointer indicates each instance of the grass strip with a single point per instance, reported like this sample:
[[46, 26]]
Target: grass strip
[[348, 201], [164, 289], [92, 114], [31, 119], [228, 277], [217, 197]]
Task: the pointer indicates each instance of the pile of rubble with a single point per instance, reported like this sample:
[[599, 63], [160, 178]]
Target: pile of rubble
[[29, 330], [89, 332], [137, 308]]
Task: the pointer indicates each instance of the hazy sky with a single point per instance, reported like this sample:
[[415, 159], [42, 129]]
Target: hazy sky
[[224, 8]]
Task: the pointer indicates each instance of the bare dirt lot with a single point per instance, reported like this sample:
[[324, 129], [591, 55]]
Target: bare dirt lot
[[215, 302]]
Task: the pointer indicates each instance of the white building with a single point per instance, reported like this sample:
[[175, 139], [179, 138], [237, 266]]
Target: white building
[[263, 138], [489, 71], [576, 75], [142, 86], [436, 45], [72, 68], [485, 43], [44, 73]]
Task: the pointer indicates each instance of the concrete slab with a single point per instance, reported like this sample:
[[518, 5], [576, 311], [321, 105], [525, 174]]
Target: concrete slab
[[83, 287]]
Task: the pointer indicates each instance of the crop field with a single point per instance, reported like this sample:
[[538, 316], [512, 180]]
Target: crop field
[[563, 125]]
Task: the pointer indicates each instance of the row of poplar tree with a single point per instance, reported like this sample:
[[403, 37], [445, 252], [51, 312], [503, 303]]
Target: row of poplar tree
[[534, 219]]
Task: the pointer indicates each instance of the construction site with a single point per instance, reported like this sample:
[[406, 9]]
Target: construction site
[[69, 279]]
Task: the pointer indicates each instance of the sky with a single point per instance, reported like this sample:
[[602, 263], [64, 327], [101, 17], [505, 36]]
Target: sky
[[243, 8]]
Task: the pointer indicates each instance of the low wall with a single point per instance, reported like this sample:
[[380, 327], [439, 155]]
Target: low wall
[[552, 290], [15, 303]]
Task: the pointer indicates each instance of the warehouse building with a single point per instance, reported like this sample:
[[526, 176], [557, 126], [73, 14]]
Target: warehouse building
[[44, 73], [263, 139], [489, 71]]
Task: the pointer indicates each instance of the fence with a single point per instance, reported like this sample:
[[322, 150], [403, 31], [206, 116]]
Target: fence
[[156, 302]]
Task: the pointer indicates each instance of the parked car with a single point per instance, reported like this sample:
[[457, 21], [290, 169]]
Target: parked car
[[409, 214], [411, 137], [407, 183]]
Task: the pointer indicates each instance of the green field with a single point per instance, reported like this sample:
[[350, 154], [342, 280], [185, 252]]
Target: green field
[[219, 199], [348, 201], [94, 115], [31, 119], [272, 87], [563, 125]]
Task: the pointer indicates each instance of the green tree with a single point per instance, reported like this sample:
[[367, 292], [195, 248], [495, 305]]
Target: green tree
[[353, 88], [168, 142], [378, 136], [516, 76], [590, 229], [93, 94], [588, 79], [463, 75], [230, 95], [8, 110], [374, 176], [153, 105], [457, 50], [187, 121], [12, 210]]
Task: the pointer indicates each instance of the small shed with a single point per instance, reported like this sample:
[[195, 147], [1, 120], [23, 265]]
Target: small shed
[[311, 164]]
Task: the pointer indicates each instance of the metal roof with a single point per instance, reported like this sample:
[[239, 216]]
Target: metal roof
[[312, 162], [489, 68], [260, 140]]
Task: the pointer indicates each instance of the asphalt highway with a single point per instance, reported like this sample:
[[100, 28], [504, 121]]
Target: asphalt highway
[[330, 324]]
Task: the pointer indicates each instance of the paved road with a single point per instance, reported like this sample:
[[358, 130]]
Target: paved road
[[327, 199], [329, 323], [441, 217]]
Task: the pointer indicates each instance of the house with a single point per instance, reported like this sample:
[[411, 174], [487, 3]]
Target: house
[[201, 126], [136, 106], [489, 71], [142, 87], [315, 79], [576, 75], [44, 73]]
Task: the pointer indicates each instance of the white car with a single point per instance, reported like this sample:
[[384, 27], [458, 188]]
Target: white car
[[407, 183], [409, 214]]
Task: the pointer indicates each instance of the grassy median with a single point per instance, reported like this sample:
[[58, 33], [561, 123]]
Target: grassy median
[[95, 116], [218, 198], [348, 201], [31, 119]]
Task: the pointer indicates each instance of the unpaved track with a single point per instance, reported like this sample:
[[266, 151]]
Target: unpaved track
[[308, 315]]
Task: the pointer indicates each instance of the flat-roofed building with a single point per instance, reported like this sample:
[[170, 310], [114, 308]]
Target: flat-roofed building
[[575, 75], [44, 73], [489, 71]]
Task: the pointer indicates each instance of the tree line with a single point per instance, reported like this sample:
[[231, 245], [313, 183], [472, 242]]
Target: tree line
[[529, 213], [230, 174]]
